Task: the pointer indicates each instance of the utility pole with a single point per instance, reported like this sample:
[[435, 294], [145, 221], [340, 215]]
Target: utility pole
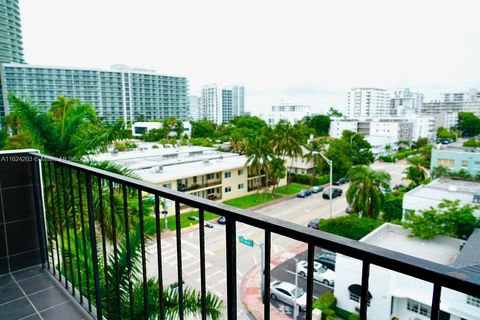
[[330, 163]]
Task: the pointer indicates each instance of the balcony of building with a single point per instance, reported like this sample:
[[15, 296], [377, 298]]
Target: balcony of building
[[75, 245]]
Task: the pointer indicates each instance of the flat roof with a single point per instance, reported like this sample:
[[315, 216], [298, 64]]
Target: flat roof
[[175, 162], [442, 249], [456, 149], [447, 188]]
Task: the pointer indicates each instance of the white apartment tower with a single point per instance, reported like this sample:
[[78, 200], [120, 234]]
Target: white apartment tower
[[196, 112], [368, 102], [222, 105], [405, 102]]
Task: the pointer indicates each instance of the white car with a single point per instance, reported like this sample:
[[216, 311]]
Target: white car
[[320, 272], [286, 293]]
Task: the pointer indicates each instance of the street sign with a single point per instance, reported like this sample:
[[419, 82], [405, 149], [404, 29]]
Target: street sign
[[246, 241]]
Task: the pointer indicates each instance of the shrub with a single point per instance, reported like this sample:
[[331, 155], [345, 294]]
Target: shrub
[[306, 179], [326, 301], [155, 146], [351, 226], [387, 159], [471, 143], [392, 208]]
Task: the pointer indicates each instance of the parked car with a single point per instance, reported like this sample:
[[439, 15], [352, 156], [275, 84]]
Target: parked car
[[336, 192], [314, 223], [286, 292], [398, 186], [327, 258], [222, 220], [316, 189], [320, 272], [304, 194], [339, 182], [349, 210]]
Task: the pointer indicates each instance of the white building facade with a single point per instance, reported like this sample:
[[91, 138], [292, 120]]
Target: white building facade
[[222, 104], [196, 112], [368, 102], [405, 102], [290, 112]]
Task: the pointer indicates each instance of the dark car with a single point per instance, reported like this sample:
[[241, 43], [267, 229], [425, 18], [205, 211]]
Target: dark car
[[327, 258], [316, 189], [222, 220], [313, 224], [336, 192], [304, 194], [398, 186], [349, 210], [339, 182]]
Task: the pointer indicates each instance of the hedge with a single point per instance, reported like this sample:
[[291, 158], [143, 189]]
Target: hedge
[[351, 226], [386, 159], [306, 179]]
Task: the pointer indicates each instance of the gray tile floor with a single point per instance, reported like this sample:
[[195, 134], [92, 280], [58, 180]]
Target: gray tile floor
[[33, 294]]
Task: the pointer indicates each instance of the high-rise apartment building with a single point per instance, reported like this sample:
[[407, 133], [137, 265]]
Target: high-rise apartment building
[[222, 105], [120, 93], [11, 45], [405, 102], [196, 112], [368, 102], [471, 95]]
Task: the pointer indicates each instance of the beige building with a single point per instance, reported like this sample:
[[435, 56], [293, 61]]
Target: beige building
[[200, 171]]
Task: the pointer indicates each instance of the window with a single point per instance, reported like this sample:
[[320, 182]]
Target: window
[[240, 172], [210, 176], [418, 307], [447, 163], [228, 174], [474, 301], [354, 297], [464, 163], [194, 179], [228, 189], [240, 186]]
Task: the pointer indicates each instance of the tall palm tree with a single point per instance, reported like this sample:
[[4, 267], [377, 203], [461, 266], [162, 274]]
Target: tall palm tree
[[314, 148], [287, 142], [364, 194], [259, 153], [416, 172]]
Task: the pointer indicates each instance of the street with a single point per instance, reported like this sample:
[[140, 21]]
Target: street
[[297, 210]]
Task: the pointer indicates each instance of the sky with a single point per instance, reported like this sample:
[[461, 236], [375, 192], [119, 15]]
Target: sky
[[308, 52]]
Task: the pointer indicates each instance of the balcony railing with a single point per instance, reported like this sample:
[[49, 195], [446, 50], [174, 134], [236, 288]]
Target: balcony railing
[[78, 201], [197, 186]]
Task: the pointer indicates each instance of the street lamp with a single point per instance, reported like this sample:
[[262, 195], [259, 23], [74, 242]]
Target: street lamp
[[329, 162]]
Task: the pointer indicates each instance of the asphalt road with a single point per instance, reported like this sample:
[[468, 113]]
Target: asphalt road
[[296, 210]]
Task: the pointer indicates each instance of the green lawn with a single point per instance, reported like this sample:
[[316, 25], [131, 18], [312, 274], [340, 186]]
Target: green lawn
[[292, 188], [242, 203]]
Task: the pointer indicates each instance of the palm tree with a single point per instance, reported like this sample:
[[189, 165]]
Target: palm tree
[[287, 142], [416, 172], [259, 153], [439, 171], [388, 148], [69, 130], [314, 148], [116, 281], [364, 194]]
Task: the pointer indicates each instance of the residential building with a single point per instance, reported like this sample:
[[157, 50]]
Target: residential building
[[196, 110], [222, 104], [11, 44], [382, 146], [300, 165], [117, 94], [200, 171], [430, 195], [405, 102], [368, 102], [337, 126], [392, 295], [424, 127], [456, 158], [396, 128], [446, 119], [471, 95], [436, 107], [139, 128], [290, 112]]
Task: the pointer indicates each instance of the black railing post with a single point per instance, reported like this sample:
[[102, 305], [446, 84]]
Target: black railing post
[[203, 281], [364, 300], [437, 293], [39, 213], [159, 257], [93, 245], [144, 258], [231, 245], [266, 275], [310, 262], [179, 260]]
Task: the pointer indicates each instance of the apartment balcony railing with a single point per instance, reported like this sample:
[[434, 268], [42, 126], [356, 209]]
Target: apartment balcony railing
[[197, 186], [71, 200]]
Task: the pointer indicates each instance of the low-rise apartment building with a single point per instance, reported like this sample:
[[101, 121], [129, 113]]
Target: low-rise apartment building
[[139, 128], [456, 158], [392, 295]]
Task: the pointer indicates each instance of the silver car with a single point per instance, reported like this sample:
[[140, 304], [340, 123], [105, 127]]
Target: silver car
[[286, 293]]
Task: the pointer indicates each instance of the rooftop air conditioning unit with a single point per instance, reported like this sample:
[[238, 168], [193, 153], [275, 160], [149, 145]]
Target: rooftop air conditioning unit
[[476, 198], [159, 169], [206, 162]]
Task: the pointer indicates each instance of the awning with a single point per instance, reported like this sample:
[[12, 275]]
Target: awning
[[356, 289]]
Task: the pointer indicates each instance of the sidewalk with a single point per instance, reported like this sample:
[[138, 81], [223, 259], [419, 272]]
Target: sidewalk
[[250, 286]]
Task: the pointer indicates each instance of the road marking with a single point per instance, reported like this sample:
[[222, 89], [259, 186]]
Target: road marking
[[254, 258]]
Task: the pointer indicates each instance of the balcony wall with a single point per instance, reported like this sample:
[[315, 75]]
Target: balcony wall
[[19, 244]]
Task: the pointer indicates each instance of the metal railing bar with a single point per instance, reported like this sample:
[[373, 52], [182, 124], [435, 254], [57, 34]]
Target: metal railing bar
[[60, 223], [144, 258], [179, 260], [231, 244], [67, 227], [39, 214], [51, 218], [310, 262], [93, 244], [84, 241], [203, 281], [364, 292], [129, 253], [159, 257], [266, 275], [115, 247], [74, 214], [437, 293]]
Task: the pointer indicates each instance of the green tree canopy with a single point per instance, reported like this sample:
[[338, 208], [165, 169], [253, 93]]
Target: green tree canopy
[[319, 123], [443, 133], [416, 171], [360, 149], [203, 129], [332, 112], [351, 226], [468, 124], [450, 219], [339, 152], [250, 122]]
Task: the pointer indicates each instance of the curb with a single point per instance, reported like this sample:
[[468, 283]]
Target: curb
[[250, 288]]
